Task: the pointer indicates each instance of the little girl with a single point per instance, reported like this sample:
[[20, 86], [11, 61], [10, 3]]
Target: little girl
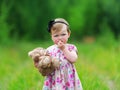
[[65, 77]]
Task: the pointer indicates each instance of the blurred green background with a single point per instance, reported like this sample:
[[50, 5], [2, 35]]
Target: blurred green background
[[95, 27], [27, 19]]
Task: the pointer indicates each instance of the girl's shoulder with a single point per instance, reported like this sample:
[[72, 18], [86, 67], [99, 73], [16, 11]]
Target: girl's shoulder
[[52, 47], [72, 47]]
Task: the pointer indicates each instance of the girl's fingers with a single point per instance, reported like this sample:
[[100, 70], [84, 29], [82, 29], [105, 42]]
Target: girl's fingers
[[61, 45]]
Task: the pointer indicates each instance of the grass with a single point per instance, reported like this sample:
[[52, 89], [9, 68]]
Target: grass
[[97, 67]]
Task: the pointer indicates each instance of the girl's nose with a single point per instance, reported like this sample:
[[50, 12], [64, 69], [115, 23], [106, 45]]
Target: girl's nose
[[59, 37]]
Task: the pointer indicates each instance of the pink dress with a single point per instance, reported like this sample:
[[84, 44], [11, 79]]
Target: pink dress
[[65, 77]]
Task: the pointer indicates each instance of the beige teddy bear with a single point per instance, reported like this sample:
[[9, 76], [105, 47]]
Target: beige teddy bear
[[43, 62]]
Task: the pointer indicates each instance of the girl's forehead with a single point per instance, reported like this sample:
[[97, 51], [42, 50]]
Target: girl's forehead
[[64, 28], [60, 30]]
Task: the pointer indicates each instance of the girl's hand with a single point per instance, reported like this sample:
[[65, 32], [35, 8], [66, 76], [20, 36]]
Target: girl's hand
[[61, 45]]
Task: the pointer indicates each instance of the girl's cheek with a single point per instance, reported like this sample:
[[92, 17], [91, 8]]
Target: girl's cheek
[[56, 41]]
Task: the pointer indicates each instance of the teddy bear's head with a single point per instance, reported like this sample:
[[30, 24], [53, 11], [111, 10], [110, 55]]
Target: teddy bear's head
[[43, 61], [37, 52]]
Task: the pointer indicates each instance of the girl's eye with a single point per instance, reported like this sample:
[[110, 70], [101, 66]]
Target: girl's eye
[[55, 35], [63, 34]]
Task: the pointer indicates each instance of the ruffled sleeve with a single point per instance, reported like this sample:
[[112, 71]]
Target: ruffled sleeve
[[72, 47]]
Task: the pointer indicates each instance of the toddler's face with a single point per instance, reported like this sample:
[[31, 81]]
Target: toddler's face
[[61, 36]]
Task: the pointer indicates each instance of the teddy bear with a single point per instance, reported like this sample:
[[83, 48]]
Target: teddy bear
[[43, 61]]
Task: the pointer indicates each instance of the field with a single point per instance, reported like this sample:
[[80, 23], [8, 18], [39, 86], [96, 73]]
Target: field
[[97, 66]]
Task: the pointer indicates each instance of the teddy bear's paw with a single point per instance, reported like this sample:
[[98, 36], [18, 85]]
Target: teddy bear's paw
[[55, 62]]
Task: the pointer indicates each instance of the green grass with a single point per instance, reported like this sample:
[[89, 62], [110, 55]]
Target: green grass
[[97, 67]]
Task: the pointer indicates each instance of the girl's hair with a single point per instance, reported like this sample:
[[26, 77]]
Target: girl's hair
[[56, 24]]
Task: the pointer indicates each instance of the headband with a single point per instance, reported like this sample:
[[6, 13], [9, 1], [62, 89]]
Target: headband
[[52, 22]]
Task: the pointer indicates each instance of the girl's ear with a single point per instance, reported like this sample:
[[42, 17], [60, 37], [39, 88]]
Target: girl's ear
[[69, 34]]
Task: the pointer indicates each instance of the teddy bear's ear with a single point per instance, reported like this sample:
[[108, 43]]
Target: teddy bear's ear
[[29, 53], [47, 53]]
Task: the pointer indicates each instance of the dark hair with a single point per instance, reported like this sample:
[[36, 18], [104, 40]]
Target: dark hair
[[52, 22]]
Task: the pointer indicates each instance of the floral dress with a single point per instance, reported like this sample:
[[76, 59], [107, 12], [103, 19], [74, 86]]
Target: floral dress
[[65, 77]]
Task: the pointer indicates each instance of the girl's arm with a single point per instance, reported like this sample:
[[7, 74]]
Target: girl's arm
[[70, 55]]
